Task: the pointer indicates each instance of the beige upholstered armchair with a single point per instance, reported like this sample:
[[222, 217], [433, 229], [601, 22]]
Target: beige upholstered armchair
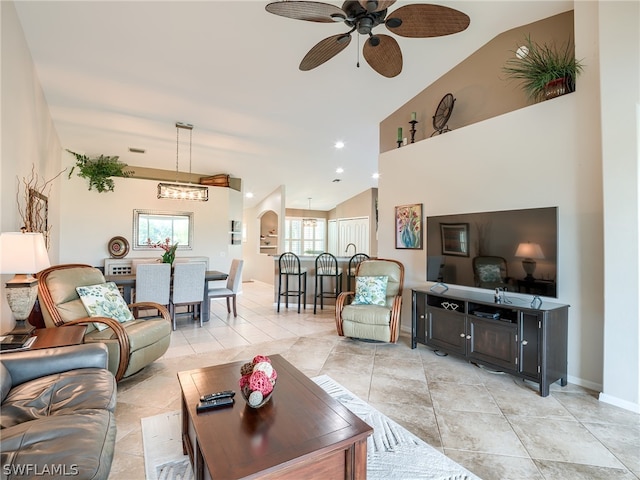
[[358, 315], [132, 344]]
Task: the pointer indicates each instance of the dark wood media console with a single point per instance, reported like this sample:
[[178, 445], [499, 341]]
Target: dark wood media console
[[515, 337]]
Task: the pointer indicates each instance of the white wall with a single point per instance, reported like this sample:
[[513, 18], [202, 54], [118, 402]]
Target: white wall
[[554, 153], [259, 266], [27, 135], [90, 219], [524, 159], [619, 41]]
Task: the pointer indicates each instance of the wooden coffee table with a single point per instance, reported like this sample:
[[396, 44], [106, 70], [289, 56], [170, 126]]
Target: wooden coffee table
[[301, 433]]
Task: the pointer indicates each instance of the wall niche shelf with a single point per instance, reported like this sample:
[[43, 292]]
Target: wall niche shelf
[[268, 231]]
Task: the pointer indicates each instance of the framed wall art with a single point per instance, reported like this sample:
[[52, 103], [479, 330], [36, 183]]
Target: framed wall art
[[455, 239], [409, 226]]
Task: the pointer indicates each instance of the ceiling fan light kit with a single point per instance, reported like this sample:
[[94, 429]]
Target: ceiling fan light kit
[[381, 52]]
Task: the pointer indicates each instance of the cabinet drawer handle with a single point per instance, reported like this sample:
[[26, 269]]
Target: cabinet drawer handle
[[524, 342], [462, 335], [421, 316], [468, 337]]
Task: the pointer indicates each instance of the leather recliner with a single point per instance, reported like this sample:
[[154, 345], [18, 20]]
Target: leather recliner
[[132, 345], [57, 416]]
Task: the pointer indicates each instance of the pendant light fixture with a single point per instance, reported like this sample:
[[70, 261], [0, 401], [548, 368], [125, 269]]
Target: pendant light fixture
[[177, 191], [309, 222]]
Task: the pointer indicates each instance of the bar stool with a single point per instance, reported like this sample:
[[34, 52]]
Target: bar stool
[[353, 264], [326, 266], [289, 265]]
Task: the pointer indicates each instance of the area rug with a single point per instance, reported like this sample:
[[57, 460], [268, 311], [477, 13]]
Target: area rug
[[392, 451]]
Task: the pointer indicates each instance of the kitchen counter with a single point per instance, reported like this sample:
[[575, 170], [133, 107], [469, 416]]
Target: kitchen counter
[[309, 262]]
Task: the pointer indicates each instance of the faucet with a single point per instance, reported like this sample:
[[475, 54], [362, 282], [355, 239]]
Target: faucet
[[355, 249]]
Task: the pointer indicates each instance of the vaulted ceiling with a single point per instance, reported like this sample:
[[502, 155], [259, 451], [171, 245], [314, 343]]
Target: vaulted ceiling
[[120, 74]]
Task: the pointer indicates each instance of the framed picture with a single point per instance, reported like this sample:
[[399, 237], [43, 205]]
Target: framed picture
[[455, 239], [236, 232], [37, 214], [409, 226]]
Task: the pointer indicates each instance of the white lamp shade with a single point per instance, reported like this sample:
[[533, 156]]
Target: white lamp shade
[[529, 250], [22, 253]]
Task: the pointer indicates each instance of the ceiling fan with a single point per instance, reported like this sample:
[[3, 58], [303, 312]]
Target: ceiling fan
[[381, 52]]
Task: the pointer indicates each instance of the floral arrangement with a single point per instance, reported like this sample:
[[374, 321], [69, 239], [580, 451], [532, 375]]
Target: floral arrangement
[[169, 254], [257, 381]]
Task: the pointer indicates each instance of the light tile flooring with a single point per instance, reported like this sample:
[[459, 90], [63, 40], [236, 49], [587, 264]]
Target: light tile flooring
[[494, 424]]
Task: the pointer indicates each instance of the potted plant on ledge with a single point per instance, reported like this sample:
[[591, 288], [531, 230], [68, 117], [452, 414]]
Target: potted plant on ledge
[[99, 170], [545, 70]]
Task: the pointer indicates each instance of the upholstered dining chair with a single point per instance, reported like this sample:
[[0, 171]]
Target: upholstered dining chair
[[153, 283], [132, 344], [372, 311], [188, 279], [232, 288]]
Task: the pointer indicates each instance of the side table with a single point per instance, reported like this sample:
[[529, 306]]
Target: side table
[[58, 336]]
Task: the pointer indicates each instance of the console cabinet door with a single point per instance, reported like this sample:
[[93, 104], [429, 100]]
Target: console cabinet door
[[446, 330], [419, 318], [529, 344], [493, 342]]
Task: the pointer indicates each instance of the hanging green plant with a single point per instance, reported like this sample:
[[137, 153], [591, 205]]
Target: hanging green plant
[[99, 170]]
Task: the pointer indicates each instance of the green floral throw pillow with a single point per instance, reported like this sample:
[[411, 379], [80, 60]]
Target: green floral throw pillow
[[371, 291], [104, 300]]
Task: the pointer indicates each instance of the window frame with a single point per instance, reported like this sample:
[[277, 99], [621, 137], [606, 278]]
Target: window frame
[[139, 214]]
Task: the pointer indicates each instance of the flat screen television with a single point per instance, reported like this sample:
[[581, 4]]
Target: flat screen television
[[516, 250]]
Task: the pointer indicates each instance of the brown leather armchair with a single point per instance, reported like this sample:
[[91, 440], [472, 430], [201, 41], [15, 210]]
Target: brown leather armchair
[[132, 345], [373, 322]]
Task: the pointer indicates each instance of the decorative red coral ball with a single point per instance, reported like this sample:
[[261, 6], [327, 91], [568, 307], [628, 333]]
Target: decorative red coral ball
[[260, 382]]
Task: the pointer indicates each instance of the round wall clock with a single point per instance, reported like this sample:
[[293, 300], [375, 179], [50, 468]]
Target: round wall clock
[[118, 247]]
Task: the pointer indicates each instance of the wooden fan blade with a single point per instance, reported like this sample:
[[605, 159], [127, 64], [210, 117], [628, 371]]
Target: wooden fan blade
[[306, 10], [424, 20], [376, 6], [385, 58], [325, 50]]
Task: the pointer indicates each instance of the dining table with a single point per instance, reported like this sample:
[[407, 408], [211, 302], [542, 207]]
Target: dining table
[[128, 283]]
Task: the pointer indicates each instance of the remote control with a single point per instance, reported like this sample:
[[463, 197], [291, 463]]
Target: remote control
[[213, 396], [213, 404]]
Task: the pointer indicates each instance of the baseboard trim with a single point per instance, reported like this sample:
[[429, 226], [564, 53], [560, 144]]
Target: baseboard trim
[[618, 402]]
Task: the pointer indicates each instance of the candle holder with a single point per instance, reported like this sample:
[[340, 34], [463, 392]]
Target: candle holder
[[399, 142], [413, 130]]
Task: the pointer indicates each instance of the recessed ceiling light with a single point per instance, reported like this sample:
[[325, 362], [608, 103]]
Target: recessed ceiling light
[[339, 144], [249, 195], [137, 150], [339, 170], [375, 175]]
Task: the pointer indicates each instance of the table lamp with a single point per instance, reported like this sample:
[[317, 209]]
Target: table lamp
[[22, 254], [529, 251]]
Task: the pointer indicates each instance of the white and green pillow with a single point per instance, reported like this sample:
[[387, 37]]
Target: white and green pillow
[[104, 300], [371, 290]]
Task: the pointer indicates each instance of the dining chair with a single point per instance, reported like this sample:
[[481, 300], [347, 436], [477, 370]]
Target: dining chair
[[153, 283], [233, 285], [188, 279]]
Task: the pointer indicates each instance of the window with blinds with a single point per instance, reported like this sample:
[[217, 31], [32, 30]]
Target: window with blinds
[[305, 238]]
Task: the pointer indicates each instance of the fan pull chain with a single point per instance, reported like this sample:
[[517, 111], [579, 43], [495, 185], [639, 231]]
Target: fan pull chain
[[358, 53]]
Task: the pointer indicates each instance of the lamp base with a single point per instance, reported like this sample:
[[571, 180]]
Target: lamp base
[[22, 328]]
